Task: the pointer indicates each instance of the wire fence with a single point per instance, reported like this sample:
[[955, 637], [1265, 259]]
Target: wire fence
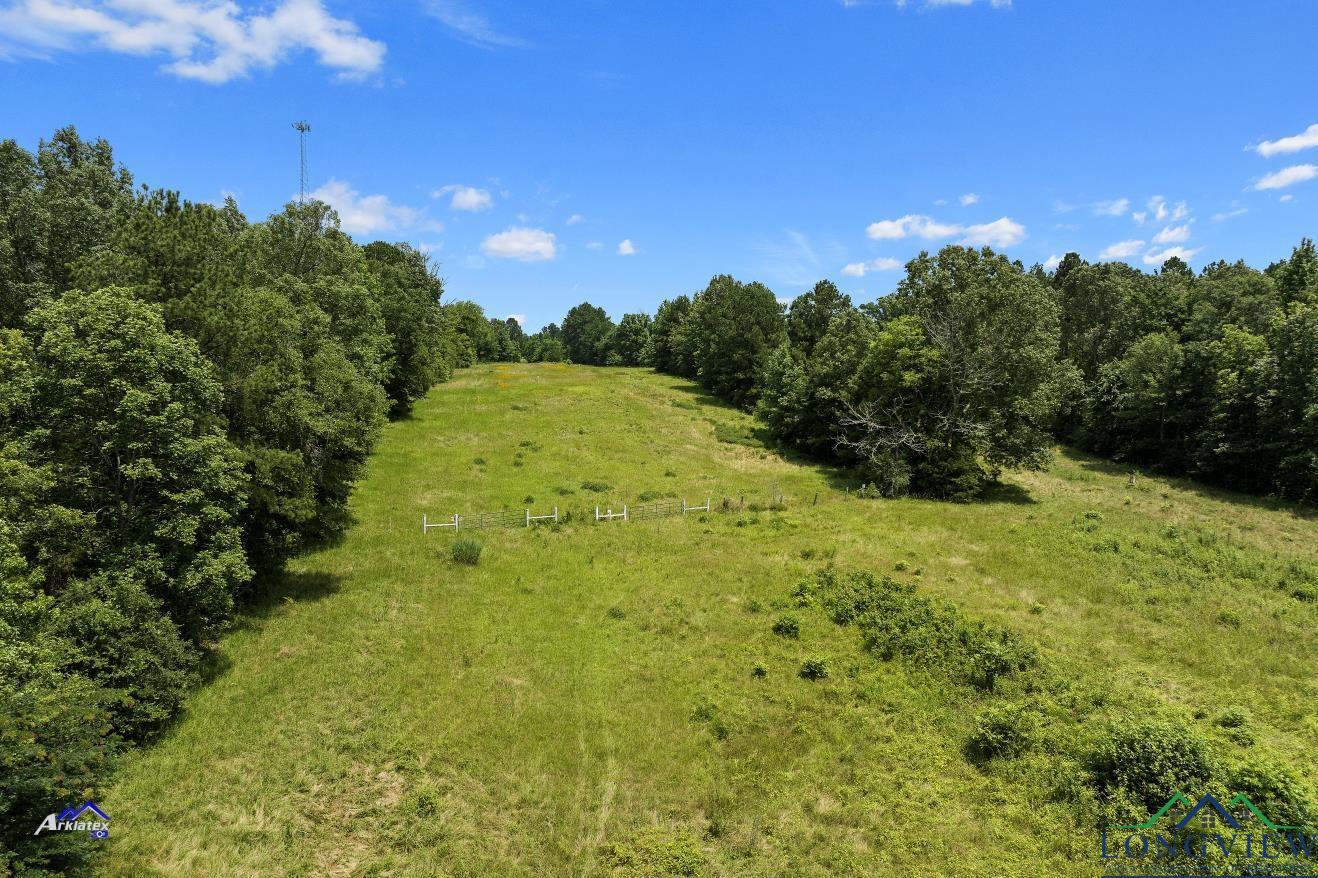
[[523, 518]]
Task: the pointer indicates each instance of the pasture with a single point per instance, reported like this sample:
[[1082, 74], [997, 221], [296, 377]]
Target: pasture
[[601, 699]]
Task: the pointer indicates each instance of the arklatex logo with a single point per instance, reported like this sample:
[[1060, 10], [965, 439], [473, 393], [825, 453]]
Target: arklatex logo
[[75, 820]]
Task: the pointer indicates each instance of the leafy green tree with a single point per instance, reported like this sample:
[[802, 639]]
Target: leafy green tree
[[810, 314], [968, 382], [670, 350], [409, 292], [631, 340], [1297, 277], [587, 333], [1139, 396], [733, 328], [477, 341]]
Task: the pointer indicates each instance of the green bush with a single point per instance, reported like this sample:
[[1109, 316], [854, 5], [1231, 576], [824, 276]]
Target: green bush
[[1002, 732], [813, 669], [787, 626], [596, 487], [466, 551], [1150, 760], [1276, 791]]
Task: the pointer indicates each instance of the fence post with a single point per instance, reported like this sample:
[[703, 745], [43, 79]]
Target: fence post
[[424, 528], [555, 515], [624, 513], [528, 518], [597, 513], [455, 522]]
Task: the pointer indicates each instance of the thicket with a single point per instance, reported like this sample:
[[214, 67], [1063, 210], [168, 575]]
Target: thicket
[[186, 397]]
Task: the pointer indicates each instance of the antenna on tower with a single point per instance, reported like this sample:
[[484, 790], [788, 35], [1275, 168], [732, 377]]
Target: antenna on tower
[[302, 129]]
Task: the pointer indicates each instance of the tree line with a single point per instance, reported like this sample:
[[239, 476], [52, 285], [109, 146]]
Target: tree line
[[975, 364], [186, 399]]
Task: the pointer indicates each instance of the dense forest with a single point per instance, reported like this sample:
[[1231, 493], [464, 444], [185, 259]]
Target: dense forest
[[187, 398]]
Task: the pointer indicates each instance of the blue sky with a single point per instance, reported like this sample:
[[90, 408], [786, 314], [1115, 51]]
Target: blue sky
[[623, 153]]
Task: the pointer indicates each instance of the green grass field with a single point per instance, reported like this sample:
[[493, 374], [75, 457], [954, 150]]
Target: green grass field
[[584, 702]]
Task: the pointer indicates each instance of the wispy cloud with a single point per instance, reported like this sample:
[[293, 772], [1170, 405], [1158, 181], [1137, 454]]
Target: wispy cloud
[[209, 41], [1003, 232], [1121, 250], [1161, 210], [626, 247], [471, 27], [968, 199], [522, 244], [1306, 139], [860, 269], [1287, 177], [575, 218], [1230, 214], [1115, 207], [1173, 234], [1158, 257]]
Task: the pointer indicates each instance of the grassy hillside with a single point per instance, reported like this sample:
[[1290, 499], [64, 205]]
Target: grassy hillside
[[586, 700]]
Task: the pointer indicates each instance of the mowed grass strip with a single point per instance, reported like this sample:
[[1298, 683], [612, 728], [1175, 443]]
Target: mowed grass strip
[[610, 699]]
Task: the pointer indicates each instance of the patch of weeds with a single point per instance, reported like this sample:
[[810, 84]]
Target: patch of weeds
[[616, 613], [479, 461], [596, 487], [465, 551], [897, 622], [787, 626], [813, 668], [707, 714], [518, 407], [529, 445], [759, 671], [528, 500], [647, 496], [1229, 618], [1108, 545], [519, 462], [1002, 732], [565, 492], [738, 434], [654, 854], [754, 606], [901, 566], [670, 473]]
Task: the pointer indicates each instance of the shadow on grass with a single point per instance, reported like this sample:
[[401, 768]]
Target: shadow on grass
[[286, 587], [1120, 469]]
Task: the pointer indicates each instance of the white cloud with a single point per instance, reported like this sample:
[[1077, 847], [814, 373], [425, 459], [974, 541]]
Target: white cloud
[[859, 269], [471, 27], [1051, 263], [1173, 234], [1004, 232], [209, 41], [1230, 214], [1115, 207], [626, 247], [575, 218], [1286, 197], [969, 198], [1139, 217], [363, 214], [1158, 257], [1161, 210], [1306, 139], [594, 245], [1287, 177], [1122, 250], [520, 318], [935, 4], [522, 244], [911, 224], [465, 197]]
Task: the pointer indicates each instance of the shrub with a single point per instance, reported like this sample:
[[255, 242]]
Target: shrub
[[887, 475], [1002, 732], [479, 461], [1150, 760], [813, 669], [1276, 792], [787, 626], [1233, 717], [647, 496], [466, 551], [616, 613], [596, 487]]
